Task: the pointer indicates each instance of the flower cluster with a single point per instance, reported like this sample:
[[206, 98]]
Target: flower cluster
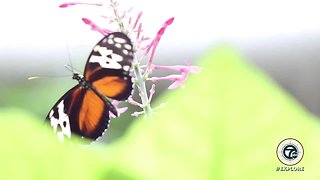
[[146, 48]]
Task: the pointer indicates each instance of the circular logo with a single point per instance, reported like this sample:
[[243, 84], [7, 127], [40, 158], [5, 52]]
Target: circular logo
[[290, 151]]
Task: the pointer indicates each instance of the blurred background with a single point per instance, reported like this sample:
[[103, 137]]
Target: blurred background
[[37, 38]]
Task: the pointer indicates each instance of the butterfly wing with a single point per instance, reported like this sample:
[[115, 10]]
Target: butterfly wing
[[79, 111], [109, 65]]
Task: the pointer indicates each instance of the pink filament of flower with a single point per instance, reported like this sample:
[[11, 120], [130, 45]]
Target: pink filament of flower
[[179, 80], [120, 110], [95, 27], [64, 5], [137, 20], [180, 68], [156, 40]]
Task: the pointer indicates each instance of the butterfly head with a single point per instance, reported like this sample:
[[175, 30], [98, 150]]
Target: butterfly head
[[81, 80], [77, 76]]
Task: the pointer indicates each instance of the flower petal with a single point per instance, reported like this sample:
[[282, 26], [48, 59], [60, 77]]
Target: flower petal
[[95, 27], [64, 5], [119, 110], [175, 85]]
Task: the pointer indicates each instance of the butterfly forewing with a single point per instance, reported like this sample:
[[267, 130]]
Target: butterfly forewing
[[109, 66]]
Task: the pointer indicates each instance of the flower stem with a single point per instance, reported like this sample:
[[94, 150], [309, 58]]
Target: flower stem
[[118, 19], [141, 84]]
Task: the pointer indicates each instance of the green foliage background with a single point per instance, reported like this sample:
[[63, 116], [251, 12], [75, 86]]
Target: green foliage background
[[226, 124]]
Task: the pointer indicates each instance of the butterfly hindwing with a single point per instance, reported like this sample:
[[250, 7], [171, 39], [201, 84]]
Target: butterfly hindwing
[[62, 113], [109, 66], [93, 118], [79, 111]]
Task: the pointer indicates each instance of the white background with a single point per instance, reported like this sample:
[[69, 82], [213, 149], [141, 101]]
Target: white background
[[280, 36]]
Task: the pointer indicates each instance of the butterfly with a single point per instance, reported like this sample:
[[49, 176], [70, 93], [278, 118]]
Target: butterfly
[[85, 109]]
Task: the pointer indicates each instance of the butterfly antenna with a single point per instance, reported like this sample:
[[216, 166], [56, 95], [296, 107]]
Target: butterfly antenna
[[33, 77], [69, 56], [71, 69], [41, 77]]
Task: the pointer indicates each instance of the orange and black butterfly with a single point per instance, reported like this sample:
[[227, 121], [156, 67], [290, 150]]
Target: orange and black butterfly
[[84, 109]]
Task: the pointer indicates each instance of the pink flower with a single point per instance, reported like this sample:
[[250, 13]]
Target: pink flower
[[120, 110], [178, 79], [179, 68], [156, 40], [64, 5], [94, 27], [137, 20], [136, 113]]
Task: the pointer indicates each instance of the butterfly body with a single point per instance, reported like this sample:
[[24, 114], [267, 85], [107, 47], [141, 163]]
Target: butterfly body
[[86, 85], [84, 109]]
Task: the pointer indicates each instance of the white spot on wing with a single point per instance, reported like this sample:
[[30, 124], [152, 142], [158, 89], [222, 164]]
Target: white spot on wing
[[104, 60], [128, 46], [96, 48], [55, 123], [118, 45], [119, 40], [126, 52], [126, 67], [110, 41]]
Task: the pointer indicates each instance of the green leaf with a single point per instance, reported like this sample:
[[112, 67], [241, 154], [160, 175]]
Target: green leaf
[[29, 150], [225, 124]]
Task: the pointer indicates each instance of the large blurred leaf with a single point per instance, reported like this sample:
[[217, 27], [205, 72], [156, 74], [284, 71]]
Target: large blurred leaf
[[226, 124]]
